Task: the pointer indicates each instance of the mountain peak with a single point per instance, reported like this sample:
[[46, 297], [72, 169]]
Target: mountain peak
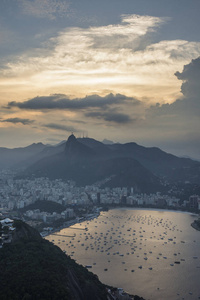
[[75, 150], [71, 138]]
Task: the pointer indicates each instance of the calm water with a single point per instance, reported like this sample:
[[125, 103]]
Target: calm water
[[154, 254]]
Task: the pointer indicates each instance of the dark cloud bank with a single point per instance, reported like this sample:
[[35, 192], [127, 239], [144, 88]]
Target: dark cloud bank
[[105, 108], [59, 101], [110, 117], [109, 107], [19, 120]]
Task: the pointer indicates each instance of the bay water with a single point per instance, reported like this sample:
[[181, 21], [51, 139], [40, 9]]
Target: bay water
[[151, 253]]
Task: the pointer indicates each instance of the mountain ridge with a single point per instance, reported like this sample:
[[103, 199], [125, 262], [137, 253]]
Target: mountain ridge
[[87, 161]]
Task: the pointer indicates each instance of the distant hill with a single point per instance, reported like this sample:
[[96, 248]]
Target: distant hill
[[159, 162], [47, 206], [107, 142], [13, 157], [87, 161]]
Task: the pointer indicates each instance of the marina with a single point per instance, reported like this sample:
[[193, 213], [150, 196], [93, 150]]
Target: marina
[[139, 248]]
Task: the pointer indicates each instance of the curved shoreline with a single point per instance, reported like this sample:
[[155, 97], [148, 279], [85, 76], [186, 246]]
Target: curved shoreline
[[123, 207], [195, 226], [157, 209], [125, 213]]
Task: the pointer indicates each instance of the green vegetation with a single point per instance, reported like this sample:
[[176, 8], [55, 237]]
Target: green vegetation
[[48, 206], [59, 223], [32, 268]]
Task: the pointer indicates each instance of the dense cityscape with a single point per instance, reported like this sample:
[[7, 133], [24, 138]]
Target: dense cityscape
[[68, 204], [19, 194]]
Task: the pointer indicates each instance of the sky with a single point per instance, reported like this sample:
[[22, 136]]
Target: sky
[[126, 71]]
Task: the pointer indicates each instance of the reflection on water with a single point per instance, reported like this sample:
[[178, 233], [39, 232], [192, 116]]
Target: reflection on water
[[155, 254]]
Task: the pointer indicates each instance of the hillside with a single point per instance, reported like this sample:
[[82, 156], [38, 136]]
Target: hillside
[[87, 161], [47, 206], [86, 166], [17, 156], [33, 268]]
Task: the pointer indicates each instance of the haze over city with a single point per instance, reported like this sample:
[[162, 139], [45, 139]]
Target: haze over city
[[124, 71]]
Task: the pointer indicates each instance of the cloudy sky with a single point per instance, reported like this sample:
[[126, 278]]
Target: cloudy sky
[[119, 70]]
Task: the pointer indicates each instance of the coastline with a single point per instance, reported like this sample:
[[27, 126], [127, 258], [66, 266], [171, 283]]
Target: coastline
[[113, 291], [156, 209], [70, 223], [195, 226], [96, 215], [146, 213]]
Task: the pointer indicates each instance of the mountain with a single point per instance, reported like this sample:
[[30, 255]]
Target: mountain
[[87, 161], [16, 156], [160, 163], [107, 142], [74, 150], [97, 146], [129, 173], [33, 268]]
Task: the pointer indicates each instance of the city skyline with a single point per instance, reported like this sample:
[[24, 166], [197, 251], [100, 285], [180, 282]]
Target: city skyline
[[122, 71]]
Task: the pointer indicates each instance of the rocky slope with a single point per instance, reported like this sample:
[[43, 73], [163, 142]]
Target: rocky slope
[[32, 268]]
